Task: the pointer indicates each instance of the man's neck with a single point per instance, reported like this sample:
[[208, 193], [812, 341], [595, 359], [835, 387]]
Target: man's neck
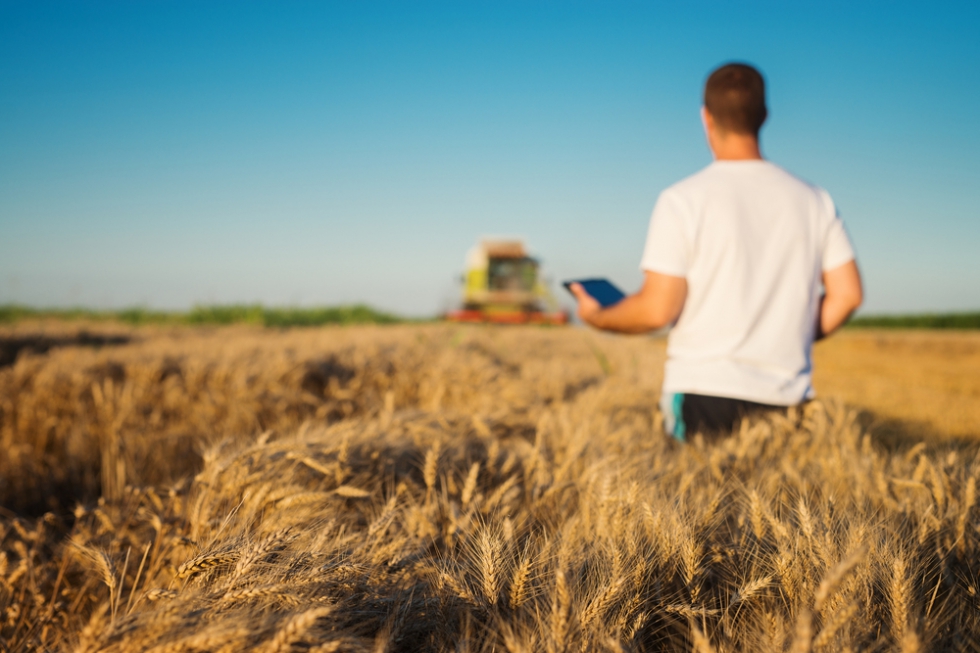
[[736, 147]]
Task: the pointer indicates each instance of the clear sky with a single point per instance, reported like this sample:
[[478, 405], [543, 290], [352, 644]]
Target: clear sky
[[296, 153]]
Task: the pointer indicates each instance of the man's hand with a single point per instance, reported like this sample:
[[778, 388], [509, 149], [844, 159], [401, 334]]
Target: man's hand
[[657, 304], [843, 295], [588, 306]]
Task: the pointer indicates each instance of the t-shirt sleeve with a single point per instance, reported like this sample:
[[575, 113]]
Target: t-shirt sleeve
[[666, 248], [837, 248]]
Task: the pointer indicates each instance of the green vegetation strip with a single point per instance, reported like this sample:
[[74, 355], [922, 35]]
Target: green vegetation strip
[[924, 321], [361, 314], [230, 314]]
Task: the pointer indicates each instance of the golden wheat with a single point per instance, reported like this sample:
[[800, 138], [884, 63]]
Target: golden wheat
[[431, 488]]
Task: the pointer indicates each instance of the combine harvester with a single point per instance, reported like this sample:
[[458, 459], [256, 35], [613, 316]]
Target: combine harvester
[[502, 286]]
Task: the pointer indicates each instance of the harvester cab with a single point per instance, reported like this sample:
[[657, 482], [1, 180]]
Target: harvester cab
[[502, 284]]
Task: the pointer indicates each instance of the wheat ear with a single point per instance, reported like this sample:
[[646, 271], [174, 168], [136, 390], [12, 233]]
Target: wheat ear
[[204, 562], [294, 629], [490, 555], [519, 582], [470, 485], [834, 577]]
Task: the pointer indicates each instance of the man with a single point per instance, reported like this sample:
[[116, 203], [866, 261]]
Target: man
[[735, 259]]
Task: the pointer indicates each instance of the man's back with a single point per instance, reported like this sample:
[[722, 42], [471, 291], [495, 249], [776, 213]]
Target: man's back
[[735, 258], [751, 241]]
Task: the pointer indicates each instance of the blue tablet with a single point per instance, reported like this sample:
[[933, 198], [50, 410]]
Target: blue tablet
[[601, 289]]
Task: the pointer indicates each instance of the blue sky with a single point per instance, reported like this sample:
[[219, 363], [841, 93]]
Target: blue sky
[[169, 153]]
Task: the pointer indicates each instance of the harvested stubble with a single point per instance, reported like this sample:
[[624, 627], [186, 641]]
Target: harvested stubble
[[486, 490]]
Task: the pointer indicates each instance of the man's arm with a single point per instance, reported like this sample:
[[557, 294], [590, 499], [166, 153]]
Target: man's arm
[[657, 304], [842, 296]]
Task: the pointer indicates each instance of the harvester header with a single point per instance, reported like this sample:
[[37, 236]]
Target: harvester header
[[502, 284]]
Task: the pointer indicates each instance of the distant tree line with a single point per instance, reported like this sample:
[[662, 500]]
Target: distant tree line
[[363, 314], [218, 314], [921, 321]]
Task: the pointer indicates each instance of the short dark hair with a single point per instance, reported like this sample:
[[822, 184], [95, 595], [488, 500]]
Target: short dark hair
[[735, 96]]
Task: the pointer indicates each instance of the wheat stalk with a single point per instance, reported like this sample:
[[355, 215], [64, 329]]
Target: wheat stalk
[[899, 597], [205, 562], [701, 642], [831, 626], [295, 629], [250, 593], [833, 578], [969, 499], [560, 607], [490, 550], [351, 492], [519, 590], [752, 588], [470, 485], [603, 602], [271, 543], [431, 467], [803, 633]]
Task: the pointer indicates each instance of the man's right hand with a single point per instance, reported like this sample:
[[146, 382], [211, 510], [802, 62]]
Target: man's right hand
[[657, 304], [588, 306]]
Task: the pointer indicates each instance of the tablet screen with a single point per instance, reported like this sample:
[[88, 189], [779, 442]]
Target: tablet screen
[[602, 290]]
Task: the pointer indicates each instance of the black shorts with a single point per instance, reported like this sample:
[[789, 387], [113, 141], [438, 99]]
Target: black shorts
[[686, 414]]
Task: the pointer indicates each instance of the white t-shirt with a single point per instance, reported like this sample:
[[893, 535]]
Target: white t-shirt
[[751, 240]]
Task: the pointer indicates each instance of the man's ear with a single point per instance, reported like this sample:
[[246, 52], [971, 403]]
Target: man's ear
[[708, 122], [706, 118]]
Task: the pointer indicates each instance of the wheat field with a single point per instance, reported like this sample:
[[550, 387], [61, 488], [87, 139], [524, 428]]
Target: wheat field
[[912, 384], [441, 488]]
